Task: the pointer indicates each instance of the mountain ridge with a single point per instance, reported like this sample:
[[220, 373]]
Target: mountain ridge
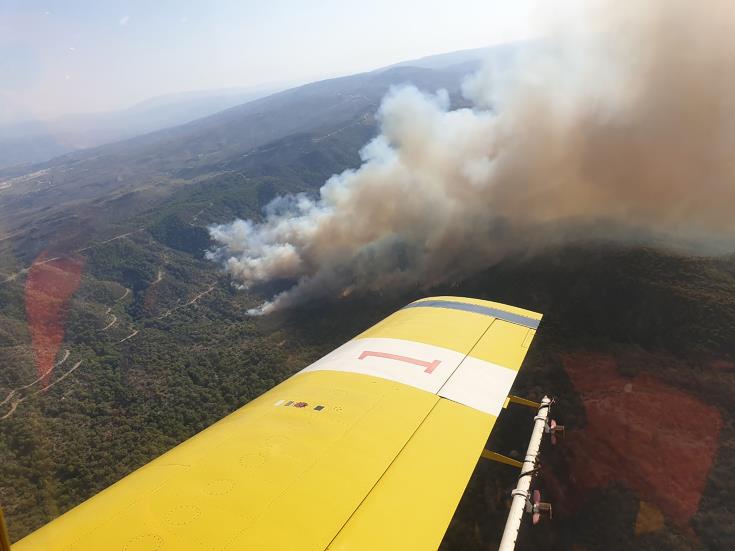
[[32, 142]]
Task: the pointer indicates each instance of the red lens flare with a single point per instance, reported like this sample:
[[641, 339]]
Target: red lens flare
[[50, 284], [657, 440]]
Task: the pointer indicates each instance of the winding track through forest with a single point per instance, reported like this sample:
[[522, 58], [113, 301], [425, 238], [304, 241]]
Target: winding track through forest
[[196, 298], [13, 391], [135, 332], [15, 402], [198, 214], [14, 276], [126, 293], [113, 322]]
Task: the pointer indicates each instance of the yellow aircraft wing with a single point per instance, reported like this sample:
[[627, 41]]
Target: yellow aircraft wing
[[368, 448]]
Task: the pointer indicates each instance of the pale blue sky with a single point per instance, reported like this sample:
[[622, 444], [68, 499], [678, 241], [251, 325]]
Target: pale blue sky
[[82, 55]]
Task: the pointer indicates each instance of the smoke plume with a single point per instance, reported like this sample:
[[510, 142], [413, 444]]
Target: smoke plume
[[628, 118]]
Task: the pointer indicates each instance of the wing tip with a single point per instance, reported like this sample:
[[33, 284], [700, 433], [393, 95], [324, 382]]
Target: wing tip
[[482, 303]]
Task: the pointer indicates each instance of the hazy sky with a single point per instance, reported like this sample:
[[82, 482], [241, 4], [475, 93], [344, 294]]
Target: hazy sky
[[67, 56]]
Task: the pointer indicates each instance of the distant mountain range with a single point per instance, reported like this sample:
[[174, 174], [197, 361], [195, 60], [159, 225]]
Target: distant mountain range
[[30, 142], [37, 141]]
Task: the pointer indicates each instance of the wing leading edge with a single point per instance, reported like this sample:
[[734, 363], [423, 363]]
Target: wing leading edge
[[370, 447]]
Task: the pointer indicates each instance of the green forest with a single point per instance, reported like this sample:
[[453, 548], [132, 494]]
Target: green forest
[[190, 364]]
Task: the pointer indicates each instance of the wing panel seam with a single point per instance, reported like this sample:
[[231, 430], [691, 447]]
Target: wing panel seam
[[387, 468], [438, 392]]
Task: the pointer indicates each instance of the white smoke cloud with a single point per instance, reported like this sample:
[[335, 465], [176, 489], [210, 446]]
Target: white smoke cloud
[[628, 118]]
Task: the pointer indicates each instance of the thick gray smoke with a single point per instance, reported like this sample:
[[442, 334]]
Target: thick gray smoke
[[628, 119]]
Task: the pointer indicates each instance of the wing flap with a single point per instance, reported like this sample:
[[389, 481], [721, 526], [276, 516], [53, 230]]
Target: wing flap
[[413, 503]]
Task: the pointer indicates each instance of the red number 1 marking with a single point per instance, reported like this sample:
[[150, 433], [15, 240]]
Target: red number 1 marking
[[428, 366]]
